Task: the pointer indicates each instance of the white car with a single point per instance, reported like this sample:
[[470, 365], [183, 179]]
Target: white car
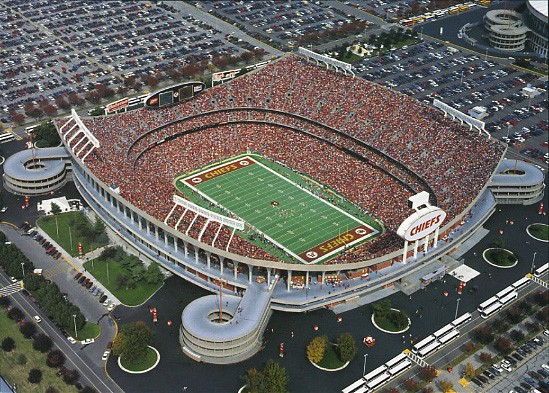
[[106, 303], [497, 367], [105, 355], [506, 367], [111, 307], [545, 367], [13, 279], [88, 341], [546, 332], [3, 210], [71, 340], [37, 319]]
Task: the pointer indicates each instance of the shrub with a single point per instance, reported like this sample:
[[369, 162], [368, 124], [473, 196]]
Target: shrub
[[485, 357], [346, 347], [15, 314], [27, 329], [8, 344], [317, 348], [56, 358], [35, 375], [42, 343], [428, 373], [484, 335], [503, 345], [22, 360], [469, 346], [411, 385], [5, 301], [517, 335], [70, 377]]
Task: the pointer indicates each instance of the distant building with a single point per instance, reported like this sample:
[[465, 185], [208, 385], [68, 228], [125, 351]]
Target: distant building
[[516, 32]]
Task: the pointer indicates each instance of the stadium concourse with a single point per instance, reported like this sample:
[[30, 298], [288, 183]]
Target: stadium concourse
[[374, 147]]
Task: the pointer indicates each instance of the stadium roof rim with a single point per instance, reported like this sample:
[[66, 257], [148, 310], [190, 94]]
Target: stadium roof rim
[[540, 6]]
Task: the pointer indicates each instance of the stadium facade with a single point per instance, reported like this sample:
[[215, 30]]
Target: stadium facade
[[125, 177]]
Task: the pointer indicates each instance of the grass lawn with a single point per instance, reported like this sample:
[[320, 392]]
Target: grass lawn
[[13, 372], [89, 330], [148, 362], [501, 257], [330, 359], [129, 297], [539, 231], [386, 324], [60, 233]]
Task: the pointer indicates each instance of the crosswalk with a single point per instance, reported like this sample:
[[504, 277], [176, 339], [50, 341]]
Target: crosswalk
[[55, 270], [11, 289]]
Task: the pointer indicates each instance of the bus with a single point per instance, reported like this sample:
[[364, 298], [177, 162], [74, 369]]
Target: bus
[[462, 320], [487, 304], [396, 360], [374, 373], [6, 137], [448, 337], [485, 313], [423, 343], [378, 381], [520, 283], [542, 270], [443, 331], [504, 292], [429, 349], [509, 298], [354, 386], [400, 368]]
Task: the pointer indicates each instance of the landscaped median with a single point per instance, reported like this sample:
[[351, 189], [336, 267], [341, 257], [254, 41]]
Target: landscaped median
[[539, 231], [329, 356], [500, 257], [389, 320], [125, 276]]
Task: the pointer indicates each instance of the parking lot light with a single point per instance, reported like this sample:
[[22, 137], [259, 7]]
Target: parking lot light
[[74, 319]]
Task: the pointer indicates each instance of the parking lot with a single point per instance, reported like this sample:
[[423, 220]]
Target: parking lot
[[53, 53], [465, 80]]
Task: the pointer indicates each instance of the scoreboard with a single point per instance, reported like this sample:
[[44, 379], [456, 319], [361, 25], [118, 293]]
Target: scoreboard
[[174, 94]]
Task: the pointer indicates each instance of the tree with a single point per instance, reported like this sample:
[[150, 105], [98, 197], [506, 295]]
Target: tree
[[500, 325], [55, 209], [446, 386], [153, 274], [21, 360], [485, 357], [35, 375], [411, 385], [50, 110], [470, 370], [380, 308], [70, 377], [391, 390], [8, 344], [484, 335], [271, 379], [56, 358], [15, 314], [62, 103], [346, 347], [17, 118], [97, 111], [515, 314], [533, 327], [503, 345], [27, 329], [5, 302], [88, 389], [317, 348], [428, 373], [516, 335], [42, 343], [75, 99], [132, 341]]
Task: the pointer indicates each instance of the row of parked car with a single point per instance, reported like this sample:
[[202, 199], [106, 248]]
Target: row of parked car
[[538, 380], [94, 290], [50, 248]]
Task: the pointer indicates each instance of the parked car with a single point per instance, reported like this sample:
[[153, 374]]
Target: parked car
[[37, 319], [102, 298], [81, 279], [489, 374], [77, 276], [517, 356]]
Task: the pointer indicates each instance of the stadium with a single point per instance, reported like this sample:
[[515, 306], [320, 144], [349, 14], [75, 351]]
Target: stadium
[[285, 187]]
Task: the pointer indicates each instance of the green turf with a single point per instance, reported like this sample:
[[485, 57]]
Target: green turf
[[330, 359], [539, 231], [501, 257], [146, 363], [15, 373], [57, 228], [299, 222], [89, 330], [129, 297]]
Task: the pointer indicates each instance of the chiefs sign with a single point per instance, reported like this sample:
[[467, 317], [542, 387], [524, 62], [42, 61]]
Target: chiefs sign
[[422, 223]]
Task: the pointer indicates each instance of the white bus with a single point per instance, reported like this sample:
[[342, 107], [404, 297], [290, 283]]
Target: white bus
[[377, 382], [491, 310], [443, 331], [520, 283], [6, 137], [396, 360], [487, 304], [504, 292], [399, 368], [448, 337], [509, 298], [462, 320], [429, 349], [354, 386], [423, 343], [542, 270], [374, 373]]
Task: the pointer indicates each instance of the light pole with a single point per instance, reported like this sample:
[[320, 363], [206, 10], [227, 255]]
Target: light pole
[[486, 55], [364, 369], [461, 80], [74, 319], [70, 237], [23, 268], [421, 35], [533, 260], [457, 307]]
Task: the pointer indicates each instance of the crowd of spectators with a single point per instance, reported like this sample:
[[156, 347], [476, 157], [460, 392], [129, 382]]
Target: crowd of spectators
[[310, 119]]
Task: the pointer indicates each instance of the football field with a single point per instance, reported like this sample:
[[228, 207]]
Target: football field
[[305, 225]]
